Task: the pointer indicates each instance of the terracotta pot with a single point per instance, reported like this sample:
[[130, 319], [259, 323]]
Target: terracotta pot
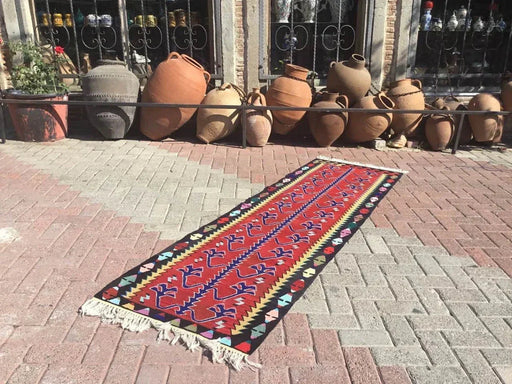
[[214, 123], [39, 122], [364, 126], [454, 104], [259, 122], [350, 78], [406, 94], [439, 130], [484, 126], [111, 81], [177, 80], [506, 94], [499, 130], [327, 127], [290, 90]]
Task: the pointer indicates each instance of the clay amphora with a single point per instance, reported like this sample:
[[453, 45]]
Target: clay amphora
[[364, 126], [213, 123], [177, 80], [289, 90], [484, 126], [111, 81], [506, 92], [454, 104], [350, 78], [259, 122], [439, 130], [327, 127], [406, 94]]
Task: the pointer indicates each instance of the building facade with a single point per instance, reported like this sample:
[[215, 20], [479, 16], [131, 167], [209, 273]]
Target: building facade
[[452, 46]]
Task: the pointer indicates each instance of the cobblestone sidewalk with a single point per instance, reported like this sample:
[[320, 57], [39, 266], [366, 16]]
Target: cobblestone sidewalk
[[410, 298]]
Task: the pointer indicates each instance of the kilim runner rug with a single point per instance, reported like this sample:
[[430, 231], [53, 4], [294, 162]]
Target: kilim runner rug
[[225, 286]]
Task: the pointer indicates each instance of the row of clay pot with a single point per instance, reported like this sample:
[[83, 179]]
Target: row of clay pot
[[483, 128]]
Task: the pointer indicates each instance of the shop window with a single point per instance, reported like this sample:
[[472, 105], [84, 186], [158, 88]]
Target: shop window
[[139, 32], [462, 45], [309, 33]]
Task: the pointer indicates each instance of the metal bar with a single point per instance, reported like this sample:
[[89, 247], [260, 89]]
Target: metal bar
[[189, 26], [484, 57], [507, 54], [167, 42], [315, 36], [436, 81], [464, 36], [292, 33], [244, 125], [459, 132], [144, 32], [339, 34], [77, 52], [97, 29], [125, 40], [2, 121], [256, 107]]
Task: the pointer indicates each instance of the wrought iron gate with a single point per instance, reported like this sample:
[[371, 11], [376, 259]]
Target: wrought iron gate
[[310, 33], [139, 32]]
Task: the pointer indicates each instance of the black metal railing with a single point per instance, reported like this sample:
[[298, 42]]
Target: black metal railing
[[139, 32], [310, 33], [462, 45], [242, 110]]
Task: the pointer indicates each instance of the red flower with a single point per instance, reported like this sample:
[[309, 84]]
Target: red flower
[[59, 50]]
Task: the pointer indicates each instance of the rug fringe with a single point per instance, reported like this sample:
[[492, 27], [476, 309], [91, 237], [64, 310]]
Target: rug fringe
[[137, 323], [115, 315], [220, 353], [361, 164]]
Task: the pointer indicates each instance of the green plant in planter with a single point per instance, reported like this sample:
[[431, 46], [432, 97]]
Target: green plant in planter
[[37, 73], [35, 76]]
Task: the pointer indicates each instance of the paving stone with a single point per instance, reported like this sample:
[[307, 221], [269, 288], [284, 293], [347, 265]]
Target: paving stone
[[377, 244], [492, 309], [367, 315], [372, 275], [476, 366], [357, 338], [437, 349], [361, 366], [500, 329], [435, 375], [498, 356], [433, 322], [400, 331], [370, 293], [389, 307], [431, 301], [401, 288], [474, 339], [505, 374], [401, 355], [333, 321]]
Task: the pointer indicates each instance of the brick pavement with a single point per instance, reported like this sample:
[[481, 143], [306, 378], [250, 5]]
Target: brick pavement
[[422, 293]]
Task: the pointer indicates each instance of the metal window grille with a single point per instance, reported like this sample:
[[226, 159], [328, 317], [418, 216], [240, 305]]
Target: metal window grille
[[139, 32], [463, 46], [309, 33]]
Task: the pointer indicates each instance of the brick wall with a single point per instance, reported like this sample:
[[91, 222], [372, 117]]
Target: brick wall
[[389, 41]]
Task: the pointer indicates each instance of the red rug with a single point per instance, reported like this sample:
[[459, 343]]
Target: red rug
[[227, 285]]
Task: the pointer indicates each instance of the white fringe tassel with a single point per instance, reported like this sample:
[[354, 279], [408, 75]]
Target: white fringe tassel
[[361, 164], [137, 323]]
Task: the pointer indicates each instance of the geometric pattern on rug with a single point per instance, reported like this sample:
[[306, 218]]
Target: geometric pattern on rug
[[226, 285]]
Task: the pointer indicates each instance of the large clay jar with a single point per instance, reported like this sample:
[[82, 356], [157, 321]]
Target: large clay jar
[[177, 80], [290, 90], [454, 104], [366, 126], [327, 127], [259, 122], [216, 123], [406, 94], [484, 126], [439, 131], [506, 93], [350, 78], [111, 81]]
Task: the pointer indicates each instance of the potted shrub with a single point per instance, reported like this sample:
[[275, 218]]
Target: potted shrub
[[35, 76]]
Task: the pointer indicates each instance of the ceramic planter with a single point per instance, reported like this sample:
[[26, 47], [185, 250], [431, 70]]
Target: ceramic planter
[[177, 80], [406, 94], [259, 122], [214, 123], [39, 122], [364, 126], [484, 126], [350, 78], [327, 127], [454, 104], [439, 130], [290, 90], [111, 81]]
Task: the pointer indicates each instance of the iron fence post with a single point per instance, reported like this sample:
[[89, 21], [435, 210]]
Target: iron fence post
[[459, 132]]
